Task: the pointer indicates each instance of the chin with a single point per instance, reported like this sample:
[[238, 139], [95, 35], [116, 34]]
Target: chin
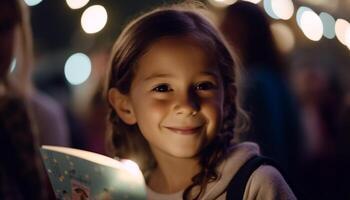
[[183, 153]]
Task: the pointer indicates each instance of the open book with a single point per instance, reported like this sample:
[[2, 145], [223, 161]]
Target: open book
[[76, 174]]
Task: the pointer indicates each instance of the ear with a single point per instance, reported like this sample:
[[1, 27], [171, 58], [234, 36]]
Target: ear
[[121, 104]]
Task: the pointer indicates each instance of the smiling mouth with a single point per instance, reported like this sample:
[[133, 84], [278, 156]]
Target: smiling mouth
[[185, 130]]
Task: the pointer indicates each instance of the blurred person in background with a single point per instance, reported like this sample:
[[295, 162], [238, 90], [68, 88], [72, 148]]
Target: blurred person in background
[[324, 118], [319, 109], [275, 122], [27, 118], [22, 175], [47, 113]]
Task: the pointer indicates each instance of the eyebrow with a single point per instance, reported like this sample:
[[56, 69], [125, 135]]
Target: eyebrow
[[155, 75], [164, 75]]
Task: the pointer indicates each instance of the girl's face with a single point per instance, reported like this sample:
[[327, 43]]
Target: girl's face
[[176, 98]]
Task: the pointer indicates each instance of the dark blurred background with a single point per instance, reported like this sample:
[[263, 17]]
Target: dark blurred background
[[317, 72]]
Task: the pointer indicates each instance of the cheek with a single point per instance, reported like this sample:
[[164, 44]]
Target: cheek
[[213, 111], [151, 111]]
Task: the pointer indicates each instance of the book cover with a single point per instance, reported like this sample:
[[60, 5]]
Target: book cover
[[81, 175]]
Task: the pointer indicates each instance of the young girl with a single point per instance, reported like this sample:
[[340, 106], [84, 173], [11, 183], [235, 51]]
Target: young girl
[[173, 98]]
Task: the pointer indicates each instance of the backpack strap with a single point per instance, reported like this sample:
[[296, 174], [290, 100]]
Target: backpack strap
[[237, 185]]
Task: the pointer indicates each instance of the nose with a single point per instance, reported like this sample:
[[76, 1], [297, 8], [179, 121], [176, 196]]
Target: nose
[[187, 103]]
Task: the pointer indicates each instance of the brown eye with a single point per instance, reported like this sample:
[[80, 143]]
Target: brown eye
[[207, 85], [162, 88]]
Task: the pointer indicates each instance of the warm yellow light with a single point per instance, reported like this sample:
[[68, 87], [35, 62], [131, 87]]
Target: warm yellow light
[[282, 9], [284, 36], [76, 4], [222, 3], [347, 37], [341, 27], [300, 12], [94, 19], [311, 25]]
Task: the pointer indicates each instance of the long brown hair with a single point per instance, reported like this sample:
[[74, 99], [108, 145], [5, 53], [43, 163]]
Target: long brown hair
[[126, 141]]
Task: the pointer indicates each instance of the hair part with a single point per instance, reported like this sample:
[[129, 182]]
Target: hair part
[[182, 20]]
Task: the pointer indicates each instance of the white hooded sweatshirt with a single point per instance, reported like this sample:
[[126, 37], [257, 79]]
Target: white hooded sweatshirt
[[266, 182]]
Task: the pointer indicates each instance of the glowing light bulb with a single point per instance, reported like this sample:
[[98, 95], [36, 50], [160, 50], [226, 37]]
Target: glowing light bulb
[[76, 4], [341, 27], [300, 12], [94, 19], [328, 25], [269, 10], [77, 68], [311, 25], [282, 9], [254, 1], [222, 3], [32, 2], [347, 37]]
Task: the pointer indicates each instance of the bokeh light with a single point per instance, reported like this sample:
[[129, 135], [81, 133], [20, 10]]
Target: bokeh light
[[284, 36], [268, 9], [347, 37], [76, 4], [222, 3], [282, 9], [94, 18], [32, 2], [77, 68], [311, 25], [253, 1], [328, 25], [341, 27], [300, 12]]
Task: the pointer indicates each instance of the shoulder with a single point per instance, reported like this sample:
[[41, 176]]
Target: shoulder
[[267, 183], [239, 154]]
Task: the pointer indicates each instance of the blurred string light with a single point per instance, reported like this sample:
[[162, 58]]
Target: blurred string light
[[284, 36], [300, 12], [279, 9], [222, 3], [32, 2], [76, 4], [94, 19], [253, 1], [341, 30], [347, 37], [310, 23], [77, 68], [268, 9], [328, 25]]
